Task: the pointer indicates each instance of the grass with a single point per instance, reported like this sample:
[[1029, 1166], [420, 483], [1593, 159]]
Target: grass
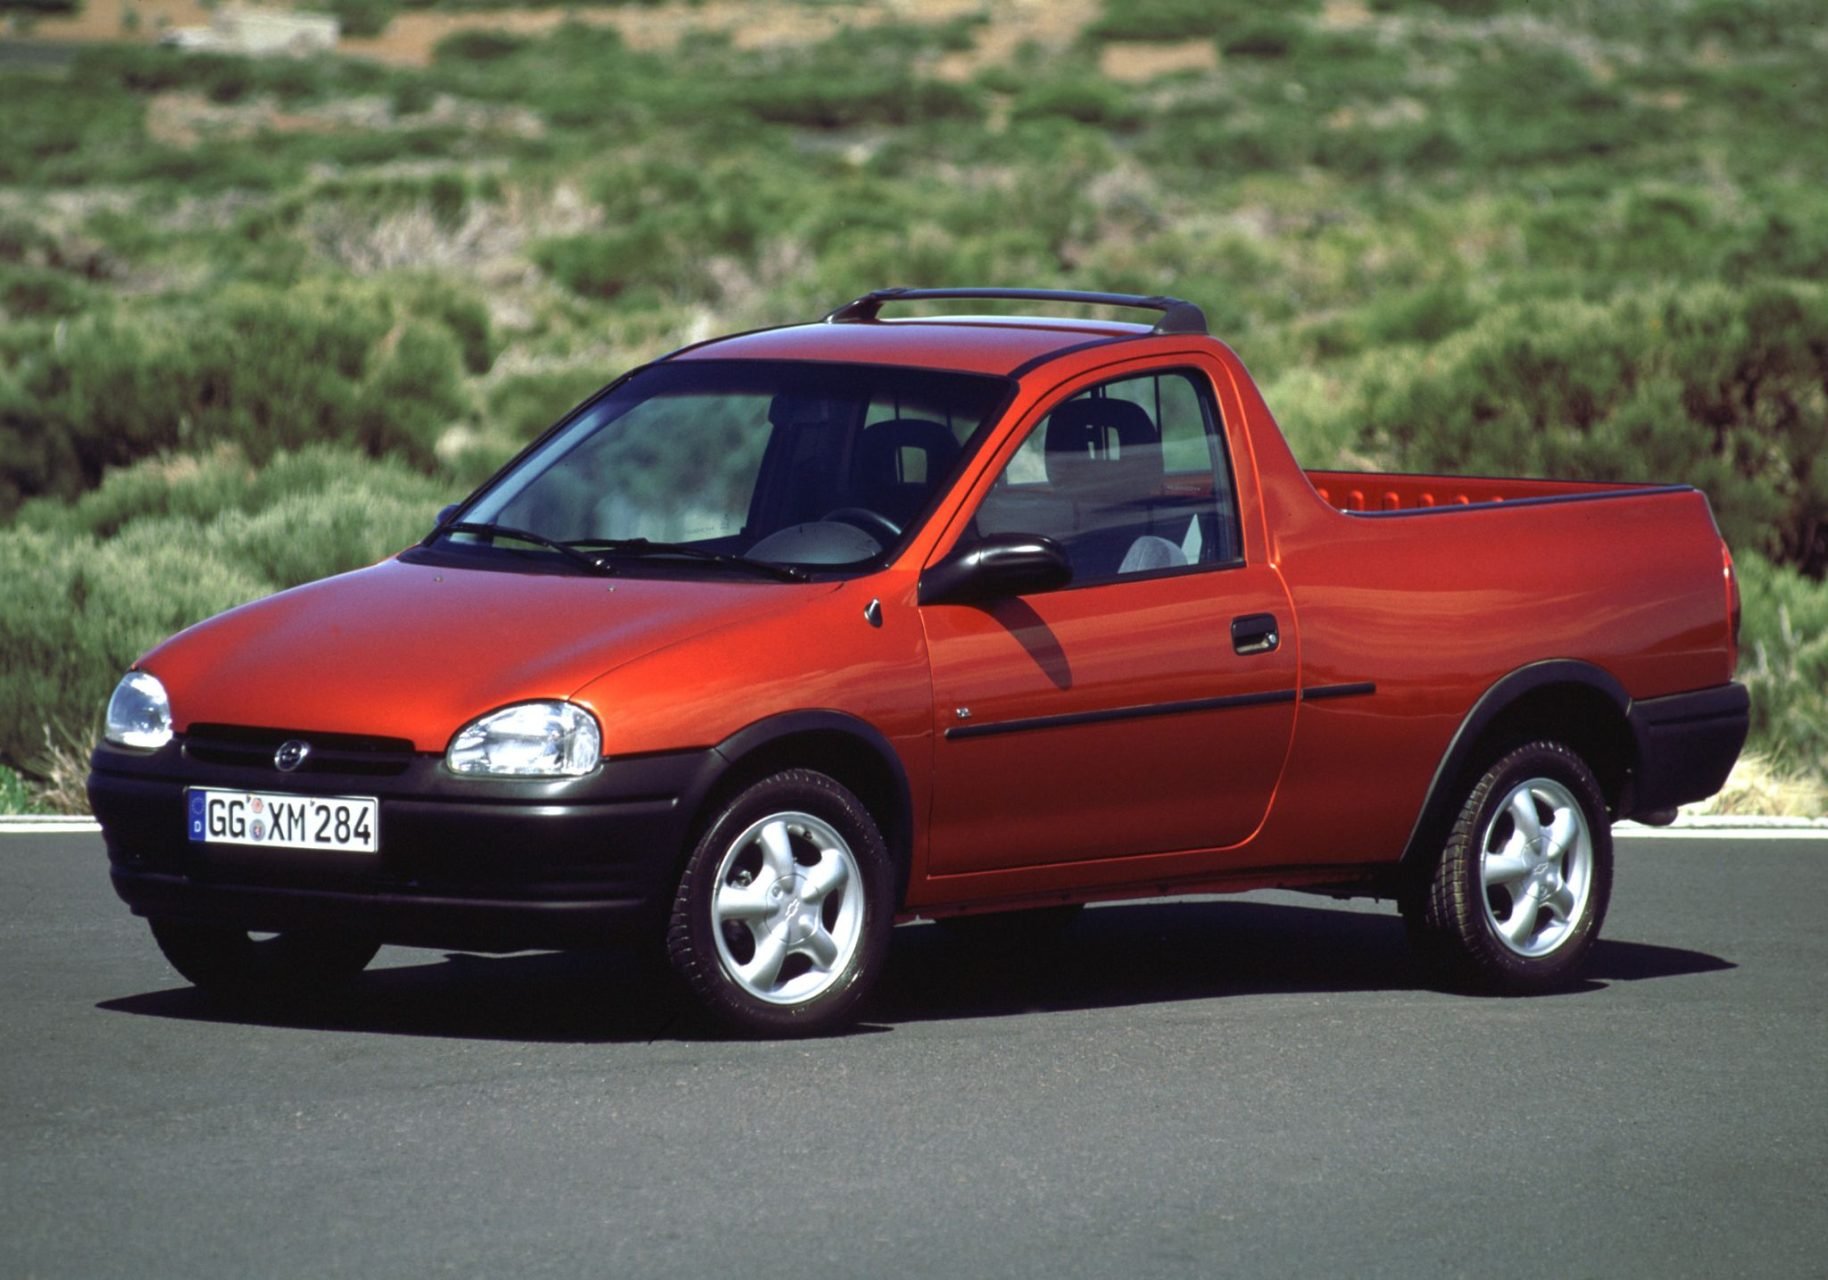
[[1553, 236], [16, 796]]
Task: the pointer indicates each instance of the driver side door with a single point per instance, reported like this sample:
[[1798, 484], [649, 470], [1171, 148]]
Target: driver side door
[[1147, 706]]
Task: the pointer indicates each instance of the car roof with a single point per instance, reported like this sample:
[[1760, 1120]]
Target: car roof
[[1003, 345]]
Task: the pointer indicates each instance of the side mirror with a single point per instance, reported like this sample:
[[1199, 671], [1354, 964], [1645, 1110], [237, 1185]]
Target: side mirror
[[445, 514], [995, 568]]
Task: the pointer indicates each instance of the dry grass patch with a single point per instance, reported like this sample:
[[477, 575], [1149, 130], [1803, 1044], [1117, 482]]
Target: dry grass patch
[[64, 773], [184, 119], [759, 24], [1758, 788], [1138, 62], [122, 20]]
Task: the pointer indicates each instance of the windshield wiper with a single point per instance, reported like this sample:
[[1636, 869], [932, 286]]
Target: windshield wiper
[[648, 547], [590, 563]]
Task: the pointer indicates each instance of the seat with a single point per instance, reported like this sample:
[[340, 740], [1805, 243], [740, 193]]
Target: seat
[[1151, 552], [899, 460], [1105, 455]]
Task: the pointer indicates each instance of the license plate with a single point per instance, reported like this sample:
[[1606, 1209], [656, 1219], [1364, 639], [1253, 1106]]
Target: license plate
[[347, 823]]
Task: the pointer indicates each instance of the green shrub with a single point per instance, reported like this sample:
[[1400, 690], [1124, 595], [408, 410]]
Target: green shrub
[[1459, 8], [1087, 100], [1174, 19], [1784, 664], [40, 291], [102, 70], [522, 406], [478, 45], [1426, 315], [76, 613], [308, 536], [201, 488], [1776, 230], [605, 264], [15, 796], [455, 310], [1542, 104], [412, 392], [58, 133], [830, 98], [1755, 24], [259, 368], [363, 17], [24, 241], [167, 543], [196, 488], [1262, 36]]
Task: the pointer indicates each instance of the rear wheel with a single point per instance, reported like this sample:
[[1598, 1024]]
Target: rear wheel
[[230, 962], [1521, 887], [781, 921]]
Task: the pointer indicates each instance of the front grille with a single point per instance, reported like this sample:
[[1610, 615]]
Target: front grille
[[244, 747]]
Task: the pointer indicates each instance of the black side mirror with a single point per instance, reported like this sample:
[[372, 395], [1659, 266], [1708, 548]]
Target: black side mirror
[[445, 514], [995, 568]]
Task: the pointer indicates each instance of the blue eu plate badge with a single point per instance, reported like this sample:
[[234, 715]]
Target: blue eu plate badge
[[197, 802]]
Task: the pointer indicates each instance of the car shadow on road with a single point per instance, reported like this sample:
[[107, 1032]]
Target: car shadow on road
[[1189, 950], [564, 997], [1106, 957]]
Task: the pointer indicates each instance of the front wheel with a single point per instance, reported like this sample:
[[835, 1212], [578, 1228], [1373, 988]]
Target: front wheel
[[229, 962], [1521, 887], [781, 921]]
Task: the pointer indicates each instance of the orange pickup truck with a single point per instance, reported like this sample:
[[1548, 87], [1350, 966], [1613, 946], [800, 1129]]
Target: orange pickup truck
[[793, 634]]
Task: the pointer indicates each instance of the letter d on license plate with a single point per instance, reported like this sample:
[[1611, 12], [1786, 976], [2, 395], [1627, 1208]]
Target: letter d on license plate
[[347, 823]]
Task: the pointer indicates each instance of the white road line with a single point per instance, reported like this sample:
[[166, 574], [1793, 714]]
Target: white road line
[[1759, 834], [1701, 826], [17, 824]]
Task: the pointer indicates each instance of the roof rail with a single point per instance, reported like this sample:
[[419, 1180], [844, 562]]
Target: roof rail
[[1178, 316]]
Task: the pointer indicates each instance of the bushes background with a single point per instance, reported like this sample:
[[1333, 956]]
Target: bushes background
[[259, 319], [93, 584], [377, 366]]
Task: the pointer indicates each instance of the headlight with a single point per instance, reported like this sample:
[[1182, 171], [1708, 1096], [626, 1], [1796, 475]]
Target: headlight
[[531, 740], [139, 713]]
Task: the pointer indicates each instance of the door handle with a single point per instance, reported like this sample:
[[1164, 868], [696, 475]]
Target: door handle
[[1255, 633]]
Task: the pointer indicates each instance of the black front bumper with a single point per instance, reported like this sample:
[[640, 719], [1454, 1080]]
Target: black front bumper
[[469, 864], [1686, 746]]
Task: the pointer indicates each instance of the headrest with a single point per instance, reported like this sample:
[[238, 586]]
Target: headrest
[[1110, 443], [879, 450]]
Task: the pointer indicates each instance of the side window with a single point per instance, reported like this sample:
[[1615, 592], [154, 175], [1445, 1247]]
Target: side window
[[1130, 477]]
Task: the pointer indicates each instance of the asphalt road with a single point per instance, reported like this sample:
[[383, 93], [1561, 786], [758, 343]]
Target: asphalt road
[[1240, 1086]]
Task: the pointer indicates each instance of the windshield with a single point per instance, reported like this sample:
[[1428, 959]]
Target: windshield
[[697, 465]]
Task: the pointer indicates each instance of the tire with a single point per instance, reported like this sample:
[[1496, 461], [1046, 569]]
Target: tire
[[1520, 890], [228, 962], [781, 922]]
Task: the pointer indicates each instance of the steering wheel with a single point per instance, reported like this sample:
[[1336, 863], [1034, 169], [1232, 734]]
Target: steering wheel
[[874, 523]]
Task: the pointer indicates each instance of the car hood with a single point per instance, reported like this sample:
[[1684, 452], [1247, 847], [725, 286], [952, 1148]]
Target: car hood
[[416, 651]]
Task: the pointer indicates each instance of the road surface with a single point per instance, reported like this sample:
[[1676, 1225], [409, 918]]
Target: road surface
[[1257, 1085]]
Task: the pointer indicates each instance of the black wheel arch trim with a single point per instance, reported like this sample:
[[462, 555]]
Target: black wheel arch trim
[[897, 825], [1436, 813], [1680, 746]]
